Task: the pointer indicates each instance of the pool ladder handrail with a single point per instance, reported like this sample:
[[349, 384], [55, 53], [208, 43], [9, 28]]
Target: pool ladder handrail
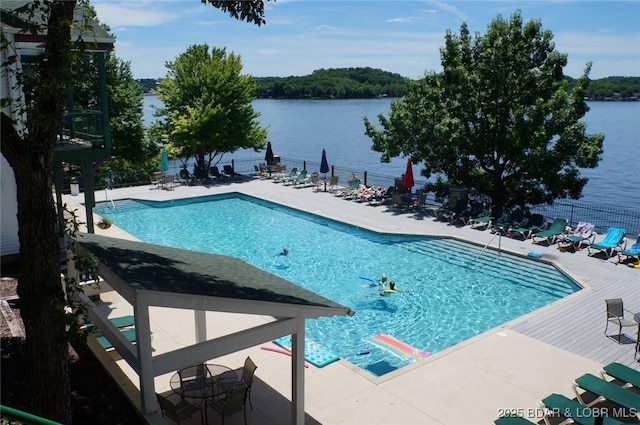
[[499, 234]]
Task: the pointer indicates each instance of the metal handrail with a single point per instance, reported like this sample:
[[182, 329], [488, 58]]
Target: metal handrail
[[24, 417]]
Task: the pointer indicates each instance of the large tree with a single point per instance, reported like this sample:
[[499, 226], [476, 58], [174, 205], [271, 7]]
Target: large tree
[[30, 155], [498, 119], [208, 106]]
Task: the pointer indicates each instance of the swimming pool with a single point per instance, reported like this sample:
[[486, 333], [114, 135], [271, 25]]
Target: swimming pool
[[452, 293]]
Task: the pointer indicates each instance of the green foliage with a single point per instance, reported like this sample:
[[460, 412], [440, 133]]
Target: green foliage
[[147, 84], [208, 106], [614, 88], [499, 118], [342, 83]]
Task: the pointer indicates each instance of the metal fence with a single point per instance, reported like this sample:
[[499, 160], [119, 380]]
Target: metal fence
[[601, 216]]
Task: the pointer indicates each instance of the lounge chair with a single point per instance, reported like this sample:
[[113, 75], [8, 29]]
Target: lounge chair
[[475, 209], [622, 373], [280, 177], [515, 219], [557, 228], [606, 391], [484, 220], [353, 186], [513, 420], [118, 322], [229, 171], [612, 241], [452, 214], [216, 174], [633, 251], [300, 178], [583, 233], [615, 315], [129, 334], [534, 224], [557, 404], [384, 198]]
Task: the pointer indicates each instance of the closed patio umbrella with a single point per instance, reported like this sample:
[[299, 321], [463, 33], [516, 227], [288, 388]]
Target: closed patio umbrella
[[324, 168], [268, 156], [408, 176], [164, 161]]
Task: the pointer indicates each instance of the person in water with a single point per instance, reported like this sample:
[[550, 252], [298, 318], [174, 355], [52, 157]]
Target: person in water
[[285, 251], [381, 281]]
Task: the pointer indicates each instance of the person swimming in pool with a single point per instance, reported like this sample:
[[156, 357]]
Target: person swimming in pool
[[381, 281], [285, 251]]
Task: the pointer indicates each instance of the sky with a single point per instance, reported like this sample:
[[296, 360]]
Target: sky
[[398, 36]]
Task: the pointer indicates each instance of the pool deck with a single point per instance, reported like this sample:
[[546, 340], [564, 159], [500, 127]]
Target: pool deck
[[510, 368]]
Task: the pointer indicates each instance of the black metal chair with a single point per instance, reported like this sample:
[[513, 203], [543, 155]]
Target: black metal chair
[[234, 401], [177, 412]]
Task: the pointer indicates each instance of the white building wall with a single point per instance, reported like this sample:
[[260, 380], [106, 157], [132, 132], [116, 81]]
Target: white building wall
[[8, 210]]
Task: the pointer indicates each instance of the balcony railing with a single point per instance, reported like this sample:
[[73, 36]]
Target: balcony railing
[[82, 129]]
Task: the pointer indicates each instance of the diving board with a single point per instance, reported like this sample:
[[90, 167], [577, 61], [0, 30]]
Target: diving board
[[398, 348], [313, 352]]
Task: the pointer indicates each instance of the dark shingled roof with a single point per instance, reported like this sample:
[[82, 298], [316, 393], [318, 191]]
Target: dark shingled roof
[[157, 268]]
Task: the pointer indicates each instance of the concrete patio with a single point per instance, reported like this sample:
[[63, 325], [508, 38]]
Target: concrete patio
[[506, 369]]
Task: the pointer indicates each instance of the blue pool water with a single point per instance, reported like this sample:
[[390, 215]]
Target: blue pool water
[[452, 295]]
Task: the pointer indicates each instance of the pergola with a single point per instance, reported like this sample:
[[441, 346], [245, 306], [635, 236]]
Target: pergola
[[151, 275]]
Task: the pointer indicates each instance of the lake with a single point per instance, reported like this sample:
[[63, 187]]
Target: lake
[[300, 129]]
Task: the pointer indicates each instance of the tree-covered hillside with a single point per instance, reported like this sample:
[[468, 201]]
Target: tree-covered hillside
[[340, 83], [364, 83]]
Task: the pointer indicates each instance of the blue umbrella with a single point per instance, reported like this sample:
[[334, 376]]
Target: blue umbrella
[[164, 160], [324, 168]]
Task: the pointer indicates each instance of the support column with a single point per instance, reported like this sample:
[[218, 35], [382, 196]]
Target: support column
[[297, 374], [145, 358], [200, 317]]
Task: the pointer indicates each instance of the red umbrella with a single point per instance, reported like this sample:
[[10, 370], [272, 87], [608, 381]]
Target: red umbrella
[[408, 176]]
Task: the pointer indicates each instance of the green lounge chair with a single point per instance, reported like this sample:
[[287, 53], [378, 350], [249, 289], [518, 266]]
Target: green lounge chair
[[557, 228], [513, 420], [485, 220], [287, 181], [612, 240], [558, 404], [607, 391], [629, 376], [534, 224], [118, 322], [345, 191], [278, 178], [129, 334], [515, 219]]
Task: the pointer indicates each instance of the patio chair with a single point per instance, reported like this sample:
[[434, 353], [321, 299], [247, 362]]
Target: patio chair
[[622, 373], [606, 391], [177, 412], [234, 401], [129, 334], [557, 228], [583, 233], [612, 241], [157, 179], [333, 183], [535, 223], [246, 373], [633, 251], [278, 176], [556, 405], [615, 314], [119, 322]]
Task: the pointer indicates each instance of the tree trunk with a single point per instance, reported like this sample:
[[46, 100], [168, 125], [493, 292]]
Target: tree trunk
[[39, 285]]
